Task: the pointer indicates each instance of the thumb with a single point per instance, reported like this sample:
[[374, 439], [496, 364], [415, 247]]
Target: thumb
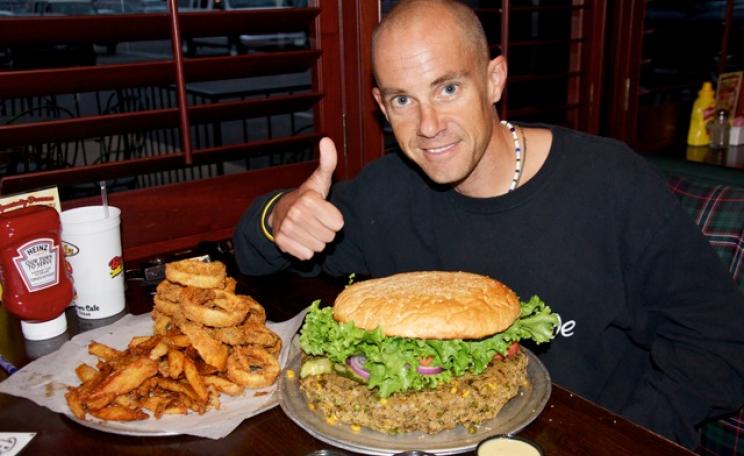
[[321, 179]]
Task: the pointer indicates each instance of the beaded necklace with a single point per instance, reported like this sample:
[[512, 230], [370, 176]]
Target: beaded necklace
[[517, 154]]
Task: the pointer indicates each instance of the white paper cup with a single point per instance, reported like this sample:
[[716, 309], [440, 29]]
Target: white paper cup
[[92, 244]]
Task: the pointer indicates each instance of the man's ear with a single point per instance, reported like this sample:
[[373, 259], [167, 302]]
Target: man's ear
[[496, 78], [378, 98]]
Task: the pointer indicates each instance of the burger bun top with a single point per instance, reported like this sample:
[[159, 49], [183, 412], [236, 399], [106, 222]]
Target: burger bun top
[[429, 305]]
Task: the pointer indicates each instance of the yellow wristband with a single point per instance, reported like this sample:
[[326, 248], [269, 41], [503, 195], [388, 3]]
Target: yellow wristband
[[266, 210]]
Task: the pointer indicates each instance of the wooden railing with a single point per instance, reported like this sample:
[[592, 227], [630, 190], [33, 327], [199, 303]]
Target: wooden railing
[[177, 215]]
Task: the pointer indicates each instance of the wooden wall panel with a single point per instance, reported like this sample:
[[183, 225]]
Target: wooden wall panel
[[177, 217], [364, 139]]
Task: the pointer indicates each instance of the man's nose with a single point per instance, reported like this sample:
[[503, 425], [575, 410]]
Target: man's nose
[[430, 121]]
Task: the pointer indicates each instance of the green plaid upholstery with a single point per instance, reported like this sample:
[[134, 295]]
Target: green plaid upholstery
[[724, 437], [719, 212]]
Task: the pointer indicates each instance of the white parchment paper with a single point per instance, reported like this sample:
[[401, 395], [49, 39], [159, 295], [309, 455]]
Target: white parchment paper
[[46, 379]]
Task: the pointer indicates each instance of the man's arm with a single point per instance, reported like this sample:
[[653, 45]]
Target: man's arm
[[693, 329], [303, 221], [286, 225], [254, 252]]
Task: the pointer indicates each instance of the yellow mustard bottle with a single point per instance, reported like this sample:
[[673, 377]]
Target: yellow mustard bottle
[[701, 113]]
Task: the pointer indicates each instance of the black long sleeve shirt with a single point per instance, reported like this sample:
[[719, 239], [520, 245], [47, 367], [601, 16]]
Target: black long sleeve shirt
[[652, 325]]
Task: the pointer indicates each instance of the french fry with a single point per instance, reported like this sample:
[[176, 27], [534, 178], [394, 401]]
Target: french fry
[[198, 407], [194, 379], [163, 370], [224, 385], [175, 363], [176, 410], [161, 349], [102, 351], [178, 387], [139, 340], [212, 351], [98, 402], [184, 400], [86, 372], [206, 369], [144, 389], [119, 413], [158, 403], [126, 400], [177, 340], [122, 380], [76, 406], [214, 400]]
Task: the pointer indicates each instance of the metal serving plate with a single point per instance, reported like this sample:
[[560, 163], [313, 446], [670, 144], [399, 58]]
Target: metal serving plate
[[121, 428], [516, 414]]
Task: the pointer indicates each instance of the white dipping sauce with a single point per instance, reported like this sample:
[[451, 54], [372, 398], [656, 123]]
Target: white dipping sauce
[[507, 447]]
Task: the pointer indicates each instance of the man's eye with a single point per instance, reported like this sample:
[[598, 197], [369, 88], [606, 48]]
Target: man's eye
[[400, 100], [450, 89]]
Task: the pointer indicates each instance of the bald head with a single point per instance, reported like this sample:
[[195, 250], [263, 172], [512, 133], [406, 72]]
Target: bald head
[[436, 14]]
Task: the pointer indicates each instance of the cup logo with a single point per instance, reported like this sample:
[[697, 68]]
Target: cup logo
[[70, 249], [116, 266]]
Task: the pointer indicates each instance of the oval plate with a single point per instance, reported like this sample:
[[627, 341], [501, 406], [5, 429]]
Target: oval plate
[[121, 428], [516, 414]]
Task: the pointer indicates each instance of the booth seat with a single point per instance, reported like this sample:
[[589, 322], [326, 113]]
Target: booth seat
[[714, 198]]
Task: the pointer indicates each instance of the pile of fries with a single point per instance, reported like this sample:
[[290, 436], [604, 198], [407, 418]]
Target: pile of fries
[[207, 340]]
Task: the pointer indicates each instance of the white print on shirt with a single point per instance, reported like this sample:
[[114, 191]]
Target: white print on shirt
[[566, 328]]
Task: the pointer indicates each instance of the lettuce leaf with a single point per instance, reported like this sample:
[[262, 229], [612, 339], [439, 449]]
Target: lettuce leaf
[[391, 361]]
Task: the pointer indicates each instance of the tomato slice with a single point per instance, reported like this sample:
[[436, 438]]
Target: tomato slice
[[513, 349]]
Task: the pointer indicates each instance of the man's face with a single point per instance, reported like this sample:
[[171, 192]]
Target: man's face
[[438, 97]]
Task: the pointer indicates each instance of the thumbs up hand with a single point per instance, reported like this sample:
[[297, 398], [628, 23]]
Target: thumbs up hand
[[303, 222]]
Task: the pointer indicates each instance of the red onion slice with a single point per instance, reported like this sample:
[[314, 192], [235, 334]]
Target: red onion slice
[[356, 363], [428, 370]]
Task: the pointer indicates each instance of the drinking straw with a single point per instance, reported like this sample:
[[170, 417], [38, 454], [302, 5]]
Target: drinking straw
[[104, 198]]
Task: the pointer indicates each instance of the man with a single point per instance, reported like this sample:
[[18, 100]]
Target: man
[[651, 322]]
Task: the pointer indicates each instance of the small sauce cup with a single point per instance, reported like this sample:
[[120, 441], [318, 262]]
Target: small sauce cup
[[508, 445], [326, 452], [414, 453]]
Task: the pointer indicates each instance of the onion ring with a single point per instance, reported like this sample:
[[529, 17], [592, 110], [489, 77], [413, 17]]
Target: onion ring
[[247, 334], [169, 291], [256, 312], [213, 316], [252, 367], [195, 296], [196, 273], [166, 307], [162, 323], [213, 307], [276, 348], [230, 285]]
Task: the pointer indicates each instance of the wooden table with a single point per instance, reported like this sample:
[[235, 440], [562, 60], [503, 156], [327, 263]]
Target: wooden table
[[569, 425]]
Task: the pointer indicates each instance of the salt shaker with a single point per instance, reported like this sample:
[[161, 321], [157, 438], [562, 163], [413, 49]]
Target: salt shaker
[[719, 130]]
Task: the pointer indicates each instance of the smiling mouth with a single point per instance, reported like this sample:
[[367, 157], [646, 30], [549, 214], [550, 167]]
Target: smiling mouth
[[439, 150]]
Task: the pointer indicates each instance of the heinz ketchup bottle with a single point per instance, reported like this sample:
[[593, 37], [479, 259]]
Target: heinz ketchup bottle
[[36, 285]]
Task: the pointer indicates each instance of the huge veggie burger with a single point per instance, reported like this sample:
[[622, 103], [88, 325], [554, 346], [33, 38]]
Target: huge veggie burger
[[419, 351]]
